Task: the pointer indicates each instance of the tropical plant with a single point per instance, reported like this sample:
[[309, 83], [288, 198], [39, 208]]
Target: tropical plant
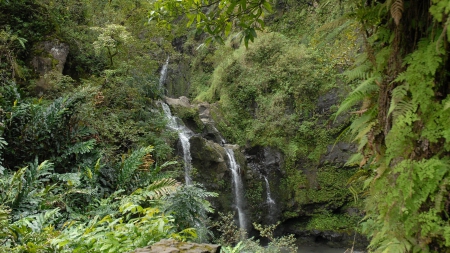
[[230, 249], [136, 222], [190, 207], [401, 128], [111, 38]]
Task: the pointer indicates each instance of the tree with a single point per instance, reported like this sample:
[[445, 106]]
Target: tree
[[111, 38], [216, 18]]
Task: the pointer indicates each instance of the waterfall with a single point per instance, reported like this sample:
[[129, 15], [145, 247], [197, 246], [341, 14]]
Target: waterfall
[[222, 140], [163, 74], [184, 135], [269, 199], [238, 188], [176, 124], [271, 217]]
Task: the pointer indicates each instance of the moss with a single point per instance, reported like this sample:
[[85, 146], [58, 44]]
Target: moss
[[315, 191], [333, 222], [254, 197], [190, 117]]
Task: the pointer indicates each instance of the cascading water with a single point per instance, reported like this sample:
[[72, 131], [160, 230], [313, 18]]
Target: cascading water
[[177, 124], [238, 188], [163, 74], [184, 134], [269, 199], [271, 215]]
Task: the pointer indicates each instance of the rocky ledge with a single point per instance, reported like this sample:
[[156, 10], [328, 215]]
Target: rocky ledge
[[174, 246]]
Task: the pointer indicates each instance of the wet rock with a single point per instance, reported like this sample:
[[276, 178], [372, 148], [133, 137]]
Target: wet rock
[[181, 101], [209, 161], [173, 246], [338, 154], [266, 160], [207, 151], [186, 112], [210, 131], [326, 101]]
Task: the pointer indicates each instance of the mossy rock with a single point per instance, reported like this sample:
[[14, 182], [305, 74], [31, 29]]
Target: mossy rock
[[190, 117]]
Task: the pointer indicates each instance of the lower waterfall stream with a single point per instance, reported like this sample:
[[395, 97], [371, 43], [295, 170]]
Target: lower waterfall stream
[[238, 189]]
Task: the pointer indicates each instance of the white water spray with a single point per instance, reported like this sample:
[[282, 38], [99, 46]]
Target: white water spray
[[238, 188], [184, 134], [269, 199], [163, 74], [177, 124]]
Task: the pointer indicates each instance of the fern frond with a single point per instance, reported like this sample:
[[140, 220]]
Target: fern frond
[[364, 90], [81, 147], [72, 179], [362, 71], [130, 165], [334, 24], [159, 189], [362, 122], [403, 107], [354, 160], [398, 94], [397, 11]]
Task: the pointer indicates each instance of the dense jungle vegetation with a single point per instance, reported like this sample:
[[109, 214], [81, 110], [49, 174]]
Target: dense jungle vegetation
[[87, 163]]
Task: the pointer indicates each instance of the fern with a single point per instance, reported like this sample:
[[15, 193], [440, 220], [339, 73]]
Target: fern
[[364, 90], [397, 11], [157, 190], [81, 148], [129, 165], [362, 71], [189, 206]]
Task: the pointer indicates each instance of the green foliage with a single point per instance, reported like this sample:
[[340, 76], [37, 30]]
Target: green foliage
[[129, 165], [229, 232], [266, 99], [134, 226], [401, 128], [247, 15], [275, 245], [326, 187], [34, 128], [111, 38], [230, 249], [29, 234], [333, 222], [190, 208]]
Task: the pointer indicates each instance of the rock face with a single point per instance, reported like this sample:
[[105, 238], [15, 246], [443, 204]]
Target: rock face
[[210, 131], [264, 173], [338, 154], [50, 57], [173, 246], [321, 185]]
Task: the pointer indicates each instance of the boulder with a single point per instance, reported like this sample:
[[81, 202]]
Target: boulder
[[338, 154], [51, 55], [173, 246], [181, 101], [48, 62]]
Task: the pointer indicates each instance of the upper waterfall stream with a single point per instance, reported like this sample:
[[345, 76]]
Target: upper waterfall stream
[[184, 135]]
